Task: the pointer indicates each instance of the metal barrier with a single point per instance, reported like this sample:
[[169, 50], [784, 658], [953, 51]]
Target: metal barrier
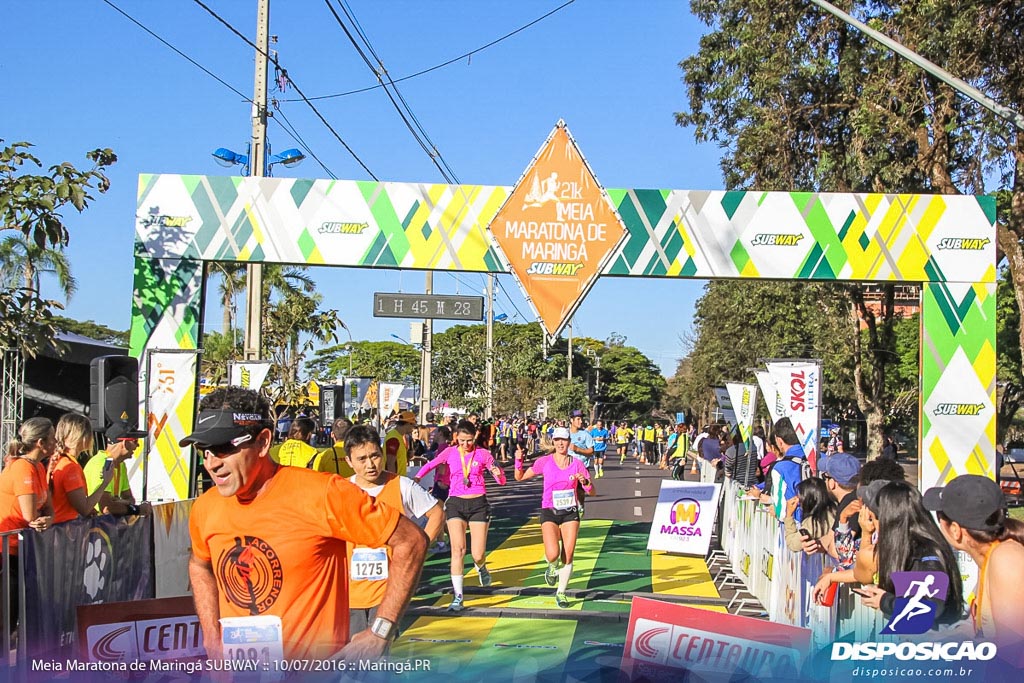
[[21, 656], [754, 553]]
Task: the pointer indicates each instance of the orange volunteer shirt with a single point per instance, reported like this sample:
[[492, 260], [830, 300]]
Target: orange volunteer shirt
[[21, 478], [67, 476], [283, 554]]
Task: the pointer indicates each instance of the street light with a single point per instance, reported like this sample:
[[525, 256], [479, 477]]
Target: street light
[[348, 348], [227, 158], [401, 340]]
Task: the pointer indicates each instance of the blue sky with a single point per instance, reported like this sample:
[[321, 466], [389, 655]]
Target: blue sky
[[78, 75]]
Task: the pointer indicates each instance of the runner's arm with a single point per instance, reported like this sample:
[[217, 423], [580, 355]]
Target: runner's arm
[[435, 520], [207, 601], [408, 546], [429, 467]]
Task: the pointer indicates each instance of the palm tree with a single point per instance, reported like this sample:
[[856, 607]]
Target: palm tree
[[23, 263], [232, 283]]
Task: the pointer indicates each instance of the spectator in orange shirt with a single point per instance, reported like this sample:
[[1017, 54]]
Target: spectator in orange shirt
[[271, 540], [24, 499], [67, 478]]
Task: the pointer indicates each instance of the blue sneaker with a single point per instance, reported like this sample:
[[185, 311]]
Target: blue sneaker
[[485, 577], [456, 605]]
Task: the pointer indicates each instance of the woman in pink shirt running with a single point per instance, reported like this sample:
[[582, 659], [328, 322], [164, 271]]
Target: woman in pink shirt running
[[559, 513], [467, 503]]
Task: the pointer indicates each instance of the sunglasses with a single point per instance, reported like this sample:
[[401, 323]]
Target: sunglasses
[[229, 448]]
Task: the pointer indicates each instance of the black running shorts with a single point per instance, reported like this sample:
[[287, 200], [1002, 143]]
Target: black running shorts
[[559, 517], [468, 509]]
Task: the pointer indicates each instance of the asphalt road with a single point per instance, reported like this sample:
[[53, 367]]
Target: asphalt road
[[627, 492]]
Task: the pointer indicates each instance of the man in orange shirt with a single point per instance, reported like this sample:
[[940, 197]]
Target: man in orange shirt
[[270, 541], [369, 567]]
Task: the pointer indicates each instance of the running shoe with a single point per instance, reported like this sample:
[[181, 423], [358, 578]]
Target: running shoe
[[456, 605], [551, 574], [562, 601], [485, 577]]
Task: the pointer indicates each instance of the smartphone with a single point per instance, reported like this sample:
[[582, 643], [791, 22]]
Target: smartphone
[[861, 591], [108, 465], [806, 534]]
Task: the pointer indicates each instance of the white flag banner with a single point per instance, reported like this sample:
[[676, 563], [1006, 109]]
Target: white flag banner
[[744, 402], [799, 387], [771, 395], [170, 386], [248, 374], [725, 403], [388, 395]]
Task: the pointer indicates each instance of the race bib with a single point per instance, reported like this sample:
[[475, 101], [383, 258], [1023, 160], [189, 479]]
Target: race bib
[[563, 500], [369, 564], [254, 639]]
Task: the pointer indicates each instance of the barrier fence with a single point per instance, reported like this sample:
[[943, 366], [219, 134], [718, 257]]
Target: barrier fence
[[782, 580], [106, 559]]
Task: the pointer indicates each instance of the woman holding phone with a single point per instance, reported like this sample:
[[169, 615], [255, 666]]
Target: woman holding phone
[[559, 513], [67, 479], [817, 509], [909, 540], [467, 505]]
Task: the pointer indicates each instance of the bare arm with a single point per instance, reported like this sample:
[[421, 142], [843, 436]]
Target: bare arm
[[205, 595], [520, 475], [408, 548], [27, 504], [435, 520]]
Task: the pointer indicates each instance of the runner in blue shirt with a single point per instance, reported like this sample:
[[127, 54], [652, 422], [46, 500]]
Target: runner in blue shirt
[[581, 447], [601, 437]]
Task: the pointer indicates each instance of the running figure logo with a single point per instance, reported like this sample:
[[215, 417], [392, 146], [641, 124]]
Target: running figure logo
[[912, 611], [250, 572]]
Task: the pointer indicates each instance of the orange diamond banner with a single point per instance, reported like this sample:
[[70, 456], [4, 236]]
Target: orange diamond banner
[[557, 229]]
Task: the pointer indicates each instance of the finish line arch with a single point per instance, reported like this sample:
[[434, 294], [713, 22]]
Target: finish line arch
[[946, 243]]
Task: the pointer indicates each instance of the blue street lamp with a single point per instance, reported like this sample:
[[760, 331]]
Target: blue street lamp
[[501, 316], [227, 158], [401, 340]]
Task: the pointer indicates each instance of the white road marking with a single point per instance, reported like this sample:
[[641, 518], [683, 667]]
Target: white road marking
[[637, 512], [638, 493], [638, 481]]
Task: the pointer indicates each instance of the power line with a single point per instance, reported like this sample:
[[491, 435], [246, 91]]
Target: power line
[[305, 99], [289, 128], [404, 110], [179, 52], [450, 61]]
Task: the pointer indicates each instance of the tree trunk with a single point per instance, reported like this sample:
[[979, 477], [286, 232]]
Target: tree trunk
[[876, 427]]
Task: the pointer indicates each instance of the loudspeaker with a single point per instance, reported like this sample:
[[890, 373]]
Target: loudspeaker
[[113, 392]]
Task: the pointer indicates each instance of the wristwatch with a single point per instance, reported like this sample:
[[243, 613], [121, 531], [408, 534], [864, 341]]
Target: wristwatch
[[382, 628]]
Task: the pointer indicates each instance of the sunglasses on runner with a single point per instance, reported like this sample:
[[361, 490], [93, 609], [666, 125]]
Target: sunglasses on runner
[[229, 448]]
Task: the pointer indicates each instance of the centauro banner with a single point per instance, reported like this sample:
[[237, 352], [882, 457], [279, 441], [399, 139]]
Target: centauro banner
[[799, 386], [557, 229], [744, 398]]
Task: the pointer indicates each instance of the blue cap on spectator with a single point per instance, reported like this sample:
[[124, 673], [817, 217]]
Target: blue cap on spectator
[[576, 413], [842, 467]]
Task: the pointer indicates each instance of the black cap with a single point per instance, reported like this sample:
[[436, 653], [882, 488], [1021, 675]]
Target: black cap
[[969, 500], [122, 430], [221, 426]]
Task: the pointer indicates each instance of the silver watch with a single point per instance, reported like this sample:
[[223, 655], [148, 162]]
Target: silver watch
[[382, 628]]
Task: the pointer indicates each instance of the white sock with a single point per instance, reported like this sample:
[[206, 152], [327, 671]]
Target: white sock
[[457, 584], [563, 577]]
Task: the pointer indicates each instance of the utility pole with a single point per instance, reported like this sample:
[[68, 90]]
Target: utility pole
[[489, 360], [428, 340], [257, 169], [568, 354]]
